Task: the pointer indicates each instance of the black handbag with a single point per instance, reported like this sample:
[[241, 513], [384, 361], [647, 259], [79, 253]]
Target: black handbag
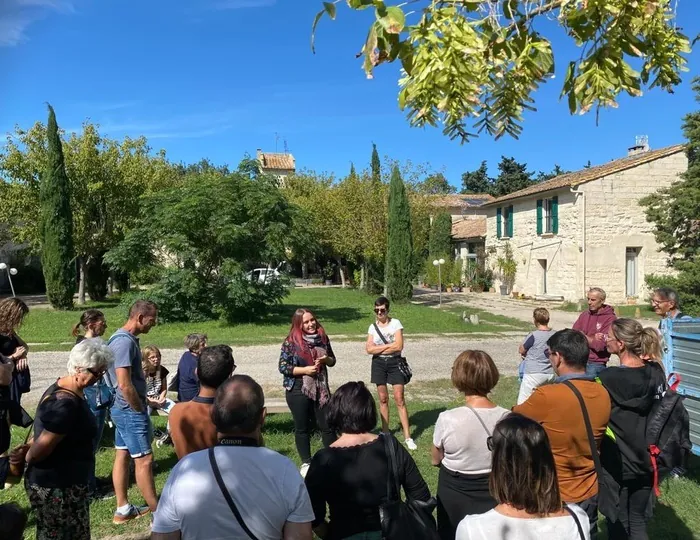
[[608, 489], [404, 368], [404, 520]]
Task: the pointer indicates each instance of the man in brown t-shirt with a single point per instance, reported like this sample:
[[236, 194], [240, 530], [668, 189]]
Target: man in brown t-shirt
[[191, 426], [557, 408]]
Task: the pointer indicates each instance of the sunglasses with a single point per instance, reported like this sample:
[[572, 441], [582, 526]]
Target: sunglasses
[[96, 374], [380, 310]]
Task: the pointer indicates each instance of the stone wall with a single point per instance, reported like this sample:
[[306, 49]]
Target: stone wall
[[614, 221]]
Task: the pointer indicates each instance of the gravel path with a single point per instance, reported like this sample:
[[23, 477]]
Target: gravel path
[[430, 359]]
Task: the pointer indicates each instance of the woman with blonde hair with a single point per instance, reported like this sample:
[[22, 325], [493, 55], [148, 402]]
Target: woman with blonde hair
[[12, 313], [156, 380], [634, 387], [460, 443]]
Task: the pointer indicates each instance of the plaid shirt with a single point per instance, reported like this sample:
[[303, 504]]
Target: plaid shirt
[[289, 360]]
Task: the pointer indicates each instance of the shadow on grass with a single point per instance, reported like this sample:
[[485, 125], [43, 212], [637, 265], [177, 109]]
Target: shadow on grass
[[424, 420], [668, 525]]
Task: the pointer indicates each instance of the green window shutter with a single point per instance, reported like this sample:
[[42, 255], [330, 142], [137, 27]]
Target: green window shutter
[[510, 221], [555, 215], [539, 216], [498, 223]]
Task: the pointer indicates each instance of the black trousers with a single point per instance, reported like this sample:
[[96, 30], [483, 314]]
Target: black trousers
[[631, 524], [459, 495], [304, 412], [590, 506]]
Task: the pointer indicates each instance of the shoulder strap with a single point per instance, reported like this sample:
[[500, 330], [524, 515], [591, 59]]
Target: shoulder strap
[[393, 486], [227, 495], [478, 417], [589, 429], [578, 523], [379, 333]]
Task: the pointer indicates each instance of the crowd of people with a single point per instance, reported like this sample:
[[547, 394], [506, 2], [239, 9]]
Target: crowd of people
[[573, 445]]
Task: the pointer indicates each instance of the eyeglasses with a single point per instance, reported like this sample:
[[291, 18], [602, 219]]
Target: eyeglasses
[[380, 310], [489, 443], [96, 374]]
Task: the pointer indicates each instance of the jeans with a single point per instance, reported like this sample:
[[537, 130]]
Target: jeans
[[594, 368], [631, 523], [133, 431], [304, 410], [100, 418], [530, 382], [590, 506]]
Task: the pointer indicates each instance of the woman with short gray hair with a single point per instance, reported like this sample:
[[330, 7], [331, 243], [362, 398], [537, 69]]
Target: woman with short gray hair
[[186, 381], [61, 461]]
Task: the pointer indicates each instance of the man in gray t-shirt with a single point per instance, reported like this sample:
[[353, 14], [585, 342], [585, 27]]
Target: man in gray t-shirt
[[536, 367], [133, 432]]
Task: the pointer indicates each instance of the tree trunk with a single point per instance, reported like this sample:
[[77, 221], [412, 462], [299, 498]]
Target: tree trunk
[[305, 270], [83, 277], [342, 272], [363, 276]]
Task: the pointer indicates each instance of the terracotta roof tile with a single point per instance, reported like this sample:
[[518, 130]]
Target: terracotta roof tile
[[270, 160], [467, 200], [593, 173], [469, 228]]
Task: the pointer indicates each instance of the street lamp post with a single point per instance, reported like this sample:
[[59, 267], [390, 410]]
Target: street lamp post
[[10, 272], [439, 263]]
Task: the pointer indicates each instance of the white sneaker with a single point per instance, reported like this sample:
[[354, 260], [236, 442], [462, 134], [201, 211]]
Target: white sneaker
[[304, 469], [411, 445]]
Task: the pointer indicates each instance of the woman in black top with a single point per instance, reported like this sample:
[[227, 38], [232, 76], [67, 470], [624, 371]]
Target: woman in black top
[[351, 475], [633, 389], [61, 460], [12, 313]]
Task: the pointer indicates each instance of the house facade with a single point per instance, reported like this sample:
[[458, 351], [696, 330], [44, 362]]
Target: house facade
[[585, 229], [279, 165], [468, 221]]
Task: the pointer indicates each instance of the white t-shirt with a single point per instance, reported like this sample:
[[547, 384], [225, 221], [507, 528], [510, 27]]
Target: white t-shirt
[[388, 331], [462, 437], [266, 487], [495, 526]]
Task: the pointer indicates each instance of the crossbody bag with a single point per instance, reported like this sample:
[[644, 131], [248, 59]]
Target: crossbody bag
[[404, 368], [608, 500]]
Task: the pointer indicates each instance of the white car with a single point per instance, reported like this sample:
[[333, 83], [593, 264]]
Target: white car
[[263, 275]]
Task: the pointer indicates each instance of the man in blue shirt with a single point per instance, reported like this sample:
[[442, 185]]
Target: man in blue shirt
[[133, 432]]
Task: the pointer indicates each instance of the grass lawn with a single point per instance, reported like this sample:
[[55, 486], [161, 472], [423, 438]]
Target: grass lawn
[[676, 516], [624, 310], [343, 312]]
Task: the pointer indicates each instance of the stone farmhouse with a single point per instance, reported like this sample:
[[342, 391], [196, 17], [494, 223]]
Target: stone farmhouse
[[279, 165], [585, 228]]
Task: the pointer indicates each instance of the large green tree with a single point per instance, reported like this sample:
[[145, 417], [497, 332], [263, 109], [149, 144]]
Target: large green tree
[[376, 165], [399, 256], [675, 212], [512, 176], [472, 66], [436, 184], [57, 256], [477, 181], [441, 235]]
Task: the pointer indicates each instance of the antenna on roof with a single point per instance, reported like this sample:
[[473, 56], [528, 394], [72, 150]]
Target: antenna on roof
[[642, 140], [286, 148], [277, 138]]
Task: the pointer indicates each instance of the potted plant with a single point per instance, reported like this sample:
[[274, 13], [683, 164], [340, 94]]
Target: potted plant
[[328, 273], [507, 268]]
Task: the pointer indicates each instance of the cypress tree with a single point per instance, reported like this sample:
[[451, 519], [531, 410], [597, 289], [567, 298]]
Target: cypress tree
[[399, 256], [376, 165], [57, 256], [440, 241]]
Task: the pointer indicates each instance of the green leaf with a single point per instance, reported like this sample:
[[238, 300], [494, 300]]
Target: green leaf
[[329, 8], [394, 21], [313, 28], [360, 4]]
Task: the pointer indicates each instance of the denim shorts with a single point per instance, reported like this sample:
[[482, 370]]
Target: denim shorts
[[132, 431]]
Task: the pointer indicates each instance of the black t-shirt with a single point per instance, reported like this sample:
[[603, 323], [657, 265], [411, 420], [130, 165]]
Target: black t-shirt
[[71, 463], [353, 482], [8, 344]]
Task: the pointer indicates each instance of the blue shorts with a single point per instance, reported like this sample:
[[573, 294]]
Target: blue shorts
[[132, 431]]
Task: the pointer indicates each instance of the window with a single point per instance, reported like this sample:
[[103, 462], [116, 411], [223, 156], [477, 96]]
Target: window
[[548, 216], [504, 222]]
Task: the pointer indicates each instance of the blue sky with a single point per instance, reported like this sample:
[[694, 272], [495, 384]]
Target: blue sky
[[217, 78]]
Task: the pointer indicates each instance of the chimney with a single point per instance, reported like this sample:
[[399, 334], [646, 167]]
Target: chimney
[[641, 145]]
